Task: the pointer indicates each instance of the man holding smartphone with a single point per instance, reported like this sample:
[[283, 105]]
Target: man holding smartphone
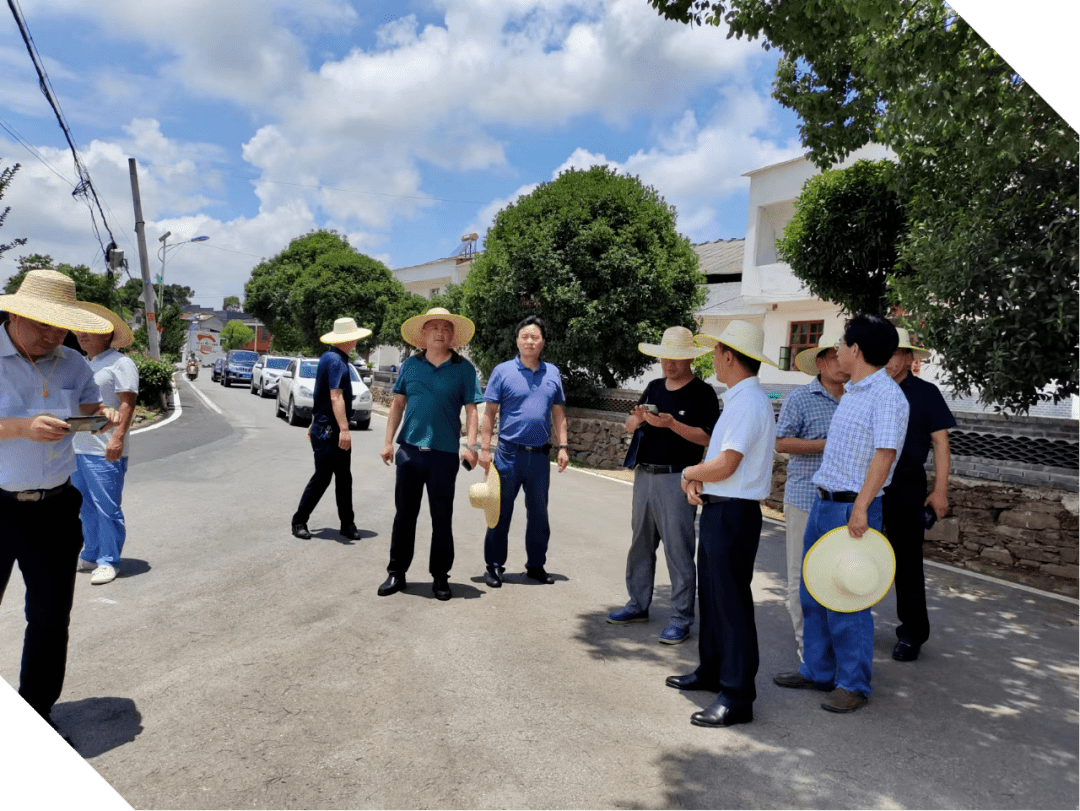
[[44, 383], [671, 423]]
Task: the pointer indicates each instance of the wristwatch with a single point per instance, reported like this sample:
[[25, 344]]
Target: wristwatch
[[562, 447]]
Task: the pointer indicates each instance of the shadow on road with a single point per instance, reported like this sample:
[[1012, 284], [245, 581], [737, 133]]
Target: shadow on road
[[96, 725], [131, 567]]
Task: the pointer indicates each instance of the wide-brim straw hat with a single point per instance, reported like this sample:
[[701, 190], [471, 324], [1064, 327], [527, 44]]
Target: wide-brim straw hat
[[345, 330], [742, 336], [804, 361], [48, 296], [677, 344], [413, 329], [849, 574], [487, 496], [122, 334], [905, 343]]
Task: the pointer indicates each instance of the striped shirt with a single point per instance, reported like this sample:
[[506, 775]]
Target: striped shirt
[[805, 414], [872, 414]]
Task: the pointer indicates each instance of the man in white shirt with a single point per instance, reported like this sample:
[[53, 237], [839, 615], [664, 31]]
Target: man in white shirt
[[730, 484]]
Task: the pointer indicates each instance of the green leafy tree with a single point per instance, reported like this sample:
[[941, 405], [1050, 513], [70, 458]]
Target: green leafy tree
[[172, 336], [129, 292], [89, 286], [596, 255], [6, 176], [231, 304], [236, 335], [985, 168], [843, 240], [318, 278]]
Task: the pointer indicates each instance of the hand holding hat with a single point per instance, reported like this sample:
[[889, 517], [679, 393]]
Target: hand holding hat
[[847, 574]]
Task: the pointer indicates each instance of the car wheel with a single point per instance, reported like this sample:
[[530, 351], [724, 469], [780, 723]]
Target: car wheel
[[290, 414], [253, 391], [262, 388], [225, 381], [363, 425]]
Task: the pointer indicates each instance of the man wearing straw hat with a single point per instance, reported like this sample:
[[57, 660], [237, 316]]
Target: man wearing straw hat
[[800, 432], [906, 498], [431, 389], [670, 437], [103, 458], [44, 384], [731, 483], [329, 430], [865, 437]]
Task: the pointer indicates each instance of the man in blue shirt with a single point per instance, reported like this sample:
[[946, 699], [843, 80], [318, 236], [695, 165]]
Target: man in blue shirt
[[42, 385], [329, 430], [865, 438], [431, 389], [529, 393]]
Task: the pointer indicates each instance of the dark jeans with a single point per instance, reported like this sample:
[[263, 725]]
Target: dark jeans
[[45, 538], [728, 537], [416, 470], [903, 514], [330, 462], [532, 471]]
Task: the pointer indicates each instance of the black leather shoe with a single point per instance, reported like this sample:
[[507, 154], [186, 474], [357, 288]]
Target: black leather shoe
[[394, 583], [691, 682], [300, 531], [441, 588], [539, 574], [351, 532], [905, 652], [719, 715], [492, 579]]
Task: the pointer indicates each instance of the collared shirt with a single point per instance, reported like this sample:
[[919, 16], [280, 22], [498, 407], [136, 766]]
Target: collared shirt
[[872, 414], [746, 425], [113, 373], [434, 397], [525, 399], [929, 413], [29, 465], [331, 373], [805, 414], [692, 404]]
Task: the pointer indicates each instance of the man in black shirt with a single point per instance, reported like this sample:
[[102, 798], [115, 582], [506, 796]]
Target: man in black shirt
[[906, 498], [672, 424]]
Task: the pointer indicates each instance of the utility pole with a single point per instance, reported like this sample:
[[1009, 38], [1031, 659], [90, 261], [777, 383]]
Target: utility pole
[[149, 299]]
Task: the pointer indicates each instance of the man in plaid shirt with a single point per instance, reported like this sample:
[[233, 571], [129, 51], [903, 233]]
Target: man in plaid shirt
[[865, 437]]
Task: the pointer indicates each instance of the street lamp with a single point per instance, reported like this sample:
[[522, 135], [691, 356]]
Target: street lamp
[[162, 252]]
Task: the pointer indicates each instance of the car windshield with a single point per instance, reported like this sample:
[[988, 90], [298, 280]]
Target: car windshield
[[277, 363], [241, 356], [308, 367], [352, 373]]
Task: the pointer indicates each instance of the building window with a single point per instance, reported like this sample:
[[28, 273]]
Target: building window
[[802, 335]]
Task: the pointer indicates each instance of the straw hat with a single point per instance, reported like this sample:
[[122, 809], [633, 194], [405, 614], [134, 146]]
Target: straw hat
[[804, 361], [849, 574], [122, 334], [486, 496], [677, 344], [905, 343], [412, 330], [48, 296], [742, 336], [345, 330]]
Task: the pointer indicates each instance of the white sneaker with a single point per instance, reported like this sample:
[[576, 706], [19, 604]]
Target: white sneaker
[[103, 574], [85, 566]]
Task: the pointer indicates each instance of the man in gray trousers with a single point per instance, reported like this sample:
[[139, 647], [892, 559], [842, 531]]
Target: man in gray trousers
[[675, 417]]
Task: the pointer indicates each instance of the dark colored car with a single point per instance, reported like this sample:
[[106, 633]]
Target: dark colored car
[[237, 368], [215, 374]]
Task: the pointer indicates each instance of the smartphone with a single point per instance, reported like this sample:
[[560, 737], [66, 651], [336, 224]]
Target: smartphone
[[652, 409], [94, 423], [929, 517]]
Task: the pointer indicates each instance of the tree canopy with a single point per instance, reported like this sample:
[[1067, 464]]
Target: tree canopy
[[129, 292], [6, 176], [231, 304], [986, 171], [236, 335], [318, 278], [89, 286], [596, 255]]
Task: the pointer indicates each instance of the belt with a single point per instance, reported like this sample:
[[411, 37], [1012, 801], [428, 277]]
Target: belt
[[414, 447], [35, 495], [843, 496], [709, 498], [658, 468], [544, 449]]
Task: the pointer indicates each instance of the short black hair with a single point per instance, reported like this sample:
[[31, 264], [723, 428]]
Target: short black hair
[[752, 365], [875, 336], [528, 321]]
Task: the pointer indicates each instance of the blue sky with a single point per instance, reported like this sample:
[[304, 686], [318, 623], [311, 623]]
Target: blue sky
[[401, 124]]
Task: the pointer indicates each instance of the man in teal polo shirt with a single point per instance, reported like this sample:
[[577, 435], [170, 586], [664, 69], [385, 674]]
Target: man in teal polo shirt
[[530, 394], [430, 391]]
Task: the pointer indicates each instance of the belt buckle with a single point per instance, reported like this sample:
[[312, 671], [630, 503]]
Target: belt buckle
[[29, 495]]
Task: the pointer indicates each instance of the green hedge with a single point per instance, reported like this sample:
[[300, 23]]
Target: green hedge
[[155, 379]]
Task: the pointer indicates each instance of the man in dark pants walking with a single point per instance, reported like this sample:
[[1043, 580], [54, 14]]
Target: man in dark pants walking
[[906, 499], [329, 431]]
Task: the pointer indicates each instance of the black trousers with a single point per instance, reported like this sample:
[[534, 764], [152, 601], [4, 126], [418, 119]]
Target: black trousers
[[728, 537], [330, 462], [903, 524], [45, 538], [417, 470]]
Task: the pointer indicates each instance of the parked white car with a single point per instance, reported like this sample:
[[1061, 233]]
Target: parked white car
[[265, 374], [296, 394]]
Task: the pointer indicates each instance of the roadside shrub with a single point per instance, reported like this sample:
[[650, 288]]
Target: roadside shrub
[[155, 379]]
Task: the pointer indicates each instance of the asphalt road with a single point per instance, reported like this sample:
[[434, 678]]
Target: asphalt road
[[234, 666]]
